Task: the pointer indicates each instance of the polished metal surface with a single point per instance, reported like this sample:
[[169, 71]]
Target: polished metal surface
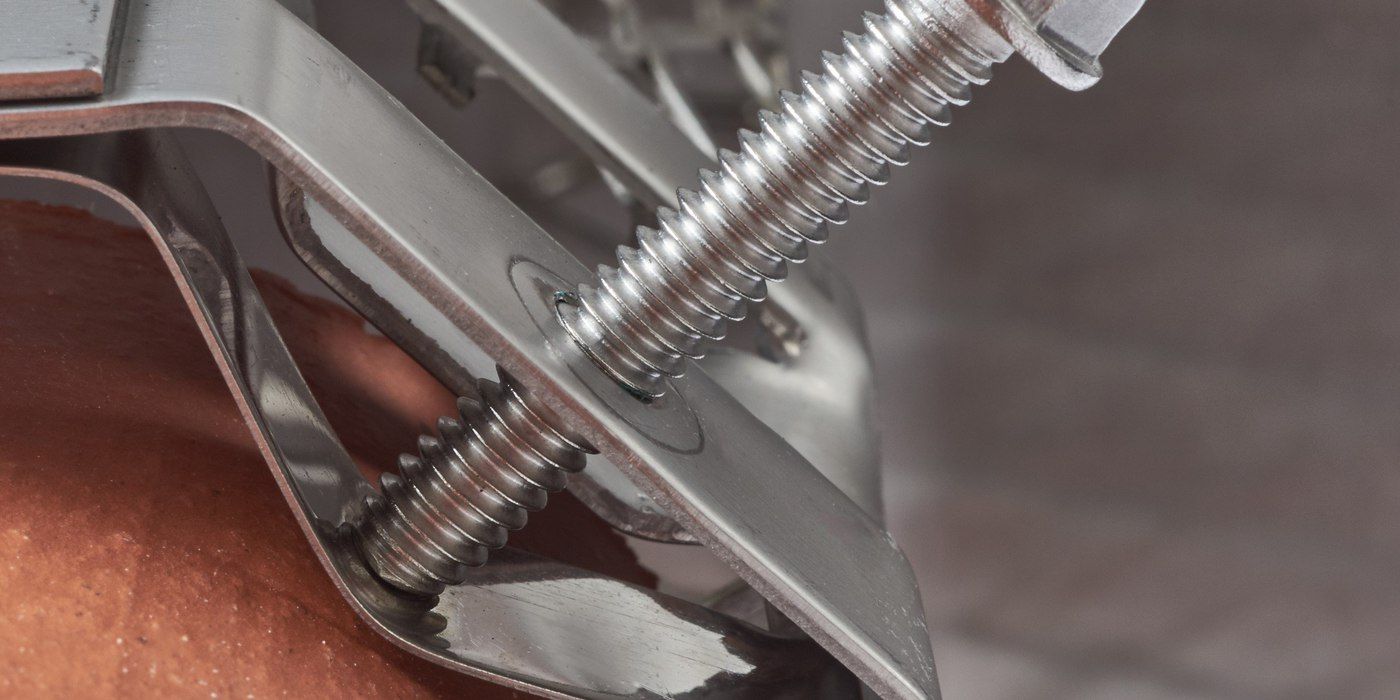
[[521, 620], [813, 382], [55, 48], [1084, 27], [249, 69], [402, 200], [469, 486]]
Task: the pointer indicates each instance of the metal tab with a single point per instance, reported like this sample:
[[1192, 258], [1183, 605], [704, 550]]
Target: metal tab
[[55, 48]]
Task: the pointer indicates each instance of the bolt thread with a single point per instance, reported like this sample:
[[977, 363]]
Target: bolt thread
[[467, 488], [676, 290]]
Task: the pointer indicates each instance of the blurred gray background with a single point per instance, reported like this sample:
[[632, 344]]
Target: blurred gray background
[[1137, 347]]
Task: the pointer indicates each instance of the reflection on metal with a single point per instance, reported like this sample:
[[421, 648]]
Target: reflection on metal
[[812, 381], [521, 620], [55, 48]]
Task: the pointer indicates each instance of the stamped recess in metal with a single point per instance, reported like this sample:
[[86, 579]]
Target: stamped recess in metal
[[55, 48]]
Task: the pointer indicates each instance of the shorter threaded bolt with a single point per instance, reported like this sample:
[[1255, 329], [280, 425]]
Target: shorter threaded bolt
[[489, 467]]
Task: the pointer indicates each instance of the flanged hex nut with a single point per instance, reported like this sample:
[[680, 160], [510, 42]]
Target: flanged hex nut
[[1062, 38]]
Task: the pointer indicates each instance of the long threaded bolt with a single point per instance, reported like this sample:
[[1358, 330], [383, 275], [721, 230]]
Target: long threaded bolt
[[675, 292]]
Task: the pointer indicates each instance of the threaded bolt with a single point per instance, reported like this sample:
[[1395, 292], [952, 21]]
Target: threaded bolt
[[675, 292]]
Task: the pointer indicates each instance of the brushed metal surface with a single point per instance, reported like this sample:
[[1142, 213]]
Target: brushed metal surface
[[55, 48]]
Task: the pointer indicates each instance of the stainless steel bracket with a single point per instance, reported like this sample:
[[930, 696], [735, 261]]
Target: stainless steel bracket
[[478, 273], [594, 636]]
